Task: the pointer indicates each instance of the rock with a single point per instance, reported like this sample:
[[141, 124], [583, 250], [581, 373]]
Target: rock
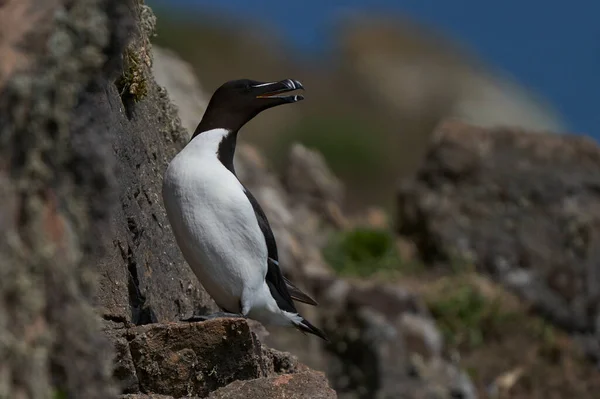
[[376, 218], [124, 369], [178, 77], [376, 332], [307, 384], [57, 192], [281, 362], [523, 208], [144, 396], [421, 335], [442, 380], [309, 181], [194, 359]]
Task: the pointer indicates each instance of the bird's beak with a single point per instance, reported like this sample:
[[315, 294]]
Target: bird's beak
[[274, 89]]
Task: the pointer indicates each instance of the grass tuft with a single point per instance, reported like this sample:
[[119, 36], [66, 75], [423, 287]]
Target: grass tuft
[[466, 317], [363, 252], [469, 317]]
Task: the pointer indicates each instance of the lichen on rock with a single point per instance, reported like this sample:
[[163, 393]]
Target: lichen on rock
[[49, 339], [137, 58], [132, 83]]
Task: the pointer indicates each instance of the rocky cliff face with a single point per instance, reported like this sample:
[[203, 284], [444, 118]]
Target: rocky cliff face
[[57, 191], [524, 209]]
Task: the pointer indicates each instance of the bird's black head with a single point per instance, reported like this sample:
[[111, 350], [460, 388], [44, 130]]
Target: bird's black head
[[238, 101]]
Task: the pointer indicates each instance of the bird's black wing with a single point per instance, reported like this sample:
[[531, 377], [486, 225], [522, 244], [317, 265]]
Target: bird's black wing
[[297, 294], [279, 286], [274, 278]]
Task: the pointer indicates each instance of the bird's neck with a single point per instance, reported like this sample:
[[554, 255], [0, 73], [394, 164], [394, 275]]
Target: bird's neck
[[217, 141], [207, 124], [216, 117]]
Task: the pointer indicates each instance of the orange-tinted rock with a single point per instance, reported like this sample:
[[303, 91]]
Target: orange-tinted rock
[[304, 385]]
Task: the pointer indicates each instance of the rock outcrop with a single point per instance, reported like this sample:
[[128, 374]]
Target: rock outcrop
[[57, 192], [184, 89], [525, 209], [195, 359], [293, 386]]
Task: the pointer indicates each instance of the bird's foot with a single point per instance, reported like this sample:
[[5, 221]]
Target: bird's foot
[[217, 315]]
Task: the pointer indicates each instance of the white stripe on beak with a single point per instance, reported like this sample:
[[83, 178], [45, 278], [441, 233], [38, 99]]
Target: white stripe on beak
[[264, 84]]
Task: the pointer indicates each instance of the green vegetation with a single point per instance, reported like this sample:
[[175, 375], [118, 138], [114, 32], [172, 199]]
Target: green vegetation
[[132, 83], [363, 252], [468, 318], [459, 265], [59, 394]]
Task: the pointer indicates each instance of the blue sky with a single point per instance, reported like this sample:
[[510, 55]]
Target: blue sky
[[551, 46]]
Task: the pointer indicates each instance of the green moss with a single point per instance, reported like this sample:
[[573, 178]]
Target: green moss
[[363, 252]]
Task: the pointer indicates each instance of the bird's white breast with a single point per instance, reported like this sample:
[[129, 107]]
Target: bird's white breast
[[214, 222]]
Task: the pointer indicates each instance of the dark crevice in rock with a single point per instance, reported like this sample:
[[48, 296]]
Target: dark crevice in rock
[[115, 319], [124, 371], [133, 228], [128, 106], [141, 313]]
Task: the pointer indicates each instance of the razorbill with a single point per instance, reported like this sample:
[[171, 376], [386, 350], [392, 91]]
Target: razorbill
[[219, 226]]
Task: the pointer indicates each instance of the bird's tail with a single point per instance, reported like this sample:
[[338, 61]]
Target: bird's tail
[[305, 326]]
